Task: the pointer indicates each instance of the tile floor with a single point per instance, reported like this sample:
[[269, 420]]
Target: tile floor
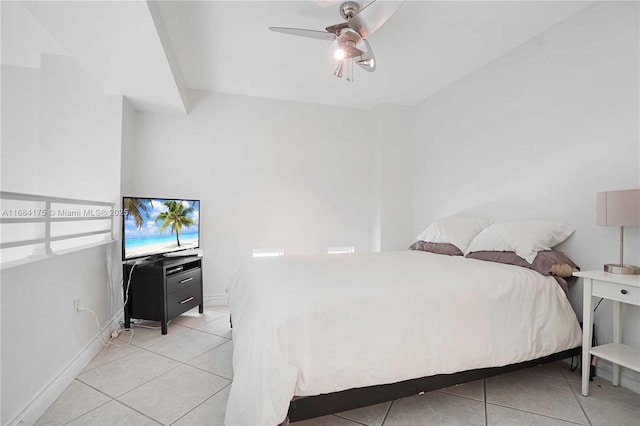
[[183, 378]]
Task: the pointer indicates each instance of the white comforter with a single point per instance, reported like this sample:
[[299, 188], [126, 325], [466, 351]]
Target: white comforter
[[316, 324]]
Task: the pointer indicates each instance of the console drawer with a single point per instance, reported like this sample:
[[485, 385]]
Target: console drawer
[[183, 300], [620, 292], [184, 279]]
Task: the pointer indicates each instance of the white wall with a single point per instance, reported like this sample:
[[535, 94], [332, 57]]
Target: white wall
[[20, 110], [80, 131], [392, 210], [270, 174], [60, 137], [536, 133]]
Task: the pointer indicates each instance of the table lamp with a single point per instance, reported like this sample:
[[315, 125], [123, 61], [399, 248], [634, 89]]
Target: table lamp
[[619, 208]]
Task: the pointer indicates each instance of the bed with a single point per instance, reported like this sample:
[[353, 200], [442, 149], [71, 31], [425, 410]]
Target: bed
[[318, 325]]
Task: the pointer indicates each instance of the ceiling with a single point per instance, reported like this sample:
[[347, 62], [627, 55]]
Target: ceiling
[[153, 51]]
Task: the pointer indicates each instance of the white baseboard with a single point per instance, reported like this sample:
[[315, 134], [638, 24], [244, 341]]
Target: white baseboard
[[51, 391], [629, 379], [216, 299]]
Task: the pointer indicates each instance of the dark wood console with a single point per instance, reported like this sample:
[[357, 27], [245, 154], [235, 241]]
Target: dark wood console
[[163, 289]]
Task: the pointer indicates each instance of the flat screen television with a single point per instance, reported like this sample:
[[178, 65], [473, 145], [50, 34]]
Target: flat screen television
[[157, 226]]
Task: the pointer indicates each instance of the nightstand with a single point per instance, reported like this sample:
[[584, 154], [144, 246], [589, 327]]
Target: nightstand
[[619, 289], [163, 289]]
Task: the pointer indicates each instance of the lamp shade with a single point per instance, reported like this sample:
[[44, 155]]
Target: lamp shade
[[618, 208]]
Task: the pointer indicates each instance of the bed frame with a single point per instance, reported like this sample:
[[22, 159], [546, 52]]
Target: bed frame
[[321, 405]]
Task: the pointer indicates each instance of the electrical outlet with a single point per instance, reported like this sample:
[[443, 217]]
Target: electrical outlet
[[76, 304]]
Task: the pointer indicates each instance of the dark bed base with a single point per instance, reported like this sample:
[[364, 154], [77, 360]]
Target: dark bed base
[[321, 405]]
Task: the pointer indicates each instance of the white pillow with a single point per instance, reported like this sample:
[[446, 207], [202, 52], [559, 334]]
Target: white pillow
[[526, 238], [456, 230]]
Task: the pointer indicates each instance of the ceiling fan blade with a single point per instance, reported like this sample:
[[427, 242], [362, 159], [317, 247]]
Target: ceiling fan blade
[[373, 16], [321, 35], [368, 60]]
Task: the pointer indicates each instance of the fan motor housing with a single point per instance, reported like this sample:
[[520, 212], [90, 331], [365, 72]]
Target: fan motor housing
[[349, 35], [349, 9]]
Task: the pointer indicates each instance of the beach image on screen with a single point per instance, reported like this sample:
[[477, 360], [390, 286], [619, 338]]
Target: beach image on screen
[[156, 226]]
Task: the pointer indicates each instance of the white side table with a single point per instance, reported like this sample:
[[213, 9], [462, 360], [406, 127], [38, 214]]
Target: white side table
[[619, 289]]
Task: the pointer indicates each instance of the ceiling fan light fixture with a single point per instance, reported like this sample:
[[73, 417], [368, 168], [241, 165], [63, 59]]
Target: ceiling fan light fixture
[[339, 70], [360, 23], [370, 63]]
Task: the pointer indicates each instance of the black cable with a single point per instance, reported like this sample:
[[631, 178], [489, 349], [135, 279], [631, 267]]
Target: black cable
[[571, 366], [595, 340], [601, 299]]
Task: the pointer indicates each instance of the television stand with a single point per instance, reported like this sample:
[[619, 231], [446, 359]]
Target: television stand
[[162, 289]]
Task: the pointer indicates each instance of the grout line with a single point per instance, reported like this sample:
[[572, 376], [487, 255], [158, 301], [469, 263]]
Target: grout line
[[537, 414], [210, 372], [139, 412], [223, 388], [455, 394], [484, 397], [348, 419], [180, 363], [137, 348], [206, 351], [224, 317], [92, 387], [87, 412], [141, 384], [575, 396], [148, 381], [387, 413]]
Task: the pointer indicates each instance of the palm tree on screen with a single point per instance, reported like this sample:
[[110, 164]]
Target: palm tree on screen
[[135, 207], [177, 216]]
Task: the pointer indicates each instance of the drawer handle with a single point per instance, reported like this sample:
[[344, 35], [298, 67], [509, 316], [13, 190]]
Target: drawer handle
[[186, 280], [623, 291], [187, 300]]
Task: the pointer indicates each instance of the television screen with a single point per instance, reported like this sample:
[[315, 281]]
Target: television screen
[[155, 226]]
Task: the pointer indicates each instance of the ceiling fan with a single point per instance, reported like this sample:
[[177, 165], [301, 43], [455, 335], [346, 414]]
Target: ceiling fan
[[351, 36]]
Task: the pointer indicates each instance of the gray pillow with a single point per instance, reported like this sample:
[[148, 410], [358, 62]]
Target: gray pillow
[[547, 262], [438, 248]]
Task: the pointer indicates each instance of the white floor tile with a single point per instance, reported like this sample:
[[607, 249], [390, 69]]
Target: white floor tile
[[149, 333], [219, 327], [113, 414], [572, 376], [186, 345], [503, 416], [220, 308], [174, 394], [326, 421], [218, 360], [128, 372], [554, 369], [535, 393], [370, 416], [608, 404], [435, 408], [472, 390], [75, 401], [209, 413], [155, 388], [111, 353], [195, 319]]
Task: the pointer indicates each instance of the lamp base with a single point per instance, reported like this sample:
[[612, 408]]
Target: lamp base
[[622, 269]]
